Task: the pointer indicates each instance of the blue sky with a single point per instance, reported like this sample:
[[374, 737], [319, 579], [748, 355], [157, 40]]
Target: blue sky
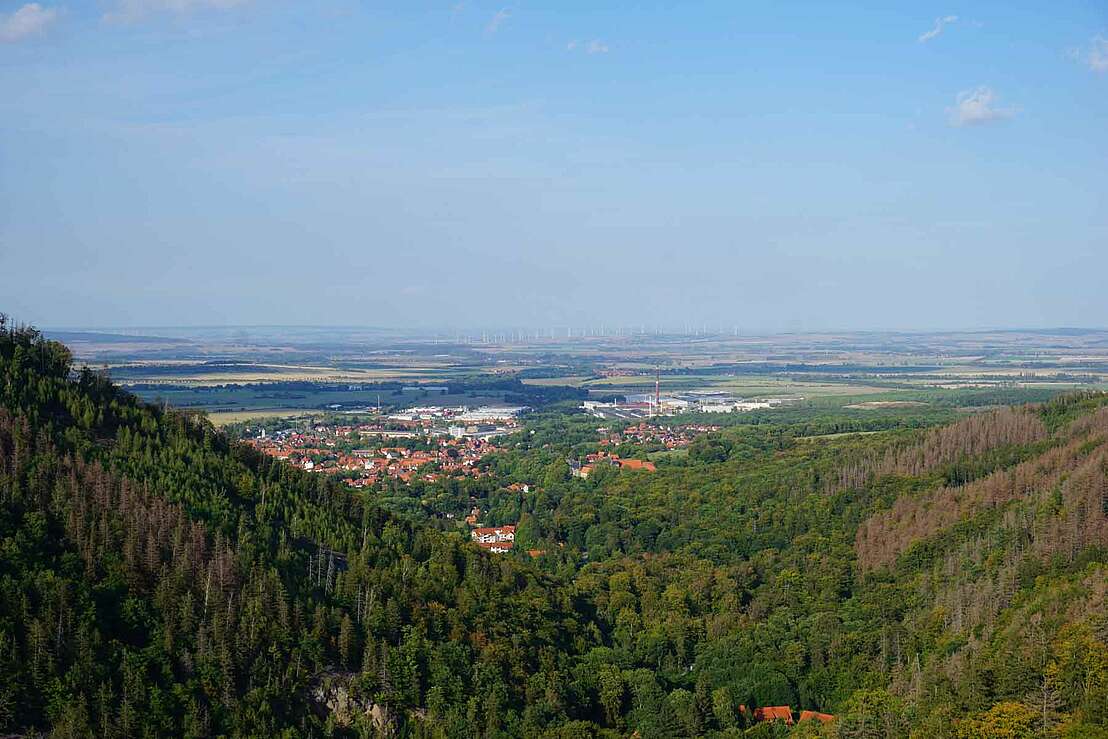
[[811, 165]]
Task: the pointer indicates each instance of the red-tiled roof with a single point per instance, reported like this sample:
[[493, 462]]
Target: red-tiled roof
[[506, 529], [823, 718], [637, 464], [774, 713]]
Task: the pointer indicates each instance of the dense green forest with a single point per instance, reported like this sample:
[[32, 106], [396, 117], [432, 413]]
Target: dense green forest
[[157, 579]]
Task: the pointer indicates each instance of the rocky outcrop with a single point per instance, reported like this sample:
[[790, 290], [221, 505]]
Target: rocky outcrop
[[331, 693]]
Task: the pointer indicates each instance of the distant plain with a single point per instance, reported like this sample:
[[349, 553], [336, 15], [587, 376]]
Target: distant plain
[[241, 374]]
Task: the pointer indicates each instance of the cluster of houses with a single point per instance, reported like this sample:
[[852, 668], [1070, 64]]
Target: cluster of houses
[[671, 437], [327, 450], [583, 469], [451, 458], [496, 539]]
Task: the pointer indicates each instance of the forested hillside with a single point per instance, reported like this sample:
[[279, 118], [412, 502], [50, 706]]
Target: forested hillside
[[157, 579]]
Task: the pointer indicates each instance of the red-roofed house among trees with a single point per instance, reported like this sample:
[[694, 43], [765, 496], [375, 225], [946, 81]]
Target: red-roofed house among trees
[[497, 539], [770, 713], [636, 464], [783, 713], [774, 713], [823, 718]]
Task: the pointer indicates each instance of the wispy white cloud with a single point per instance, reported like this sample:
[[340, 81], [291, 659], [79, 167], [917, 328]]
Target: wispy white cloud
[[1097, 55], [27, 21], [596, 46], [940, 26], [978, 106], [498, 19], [130, 10]]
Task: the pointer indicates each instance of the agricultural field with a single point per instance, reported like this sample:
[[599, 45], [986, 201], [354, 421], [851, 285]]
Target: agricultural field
[[231, 372], [226, 418]]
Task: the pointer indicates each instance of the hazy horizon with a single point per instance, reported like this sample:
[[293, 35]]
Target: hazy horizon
[[814, 168], [556, 332]]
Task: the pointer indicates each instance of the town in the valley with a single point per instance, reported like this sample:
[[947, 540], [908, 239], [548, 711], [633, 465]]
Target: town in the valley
[[435, 444]]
